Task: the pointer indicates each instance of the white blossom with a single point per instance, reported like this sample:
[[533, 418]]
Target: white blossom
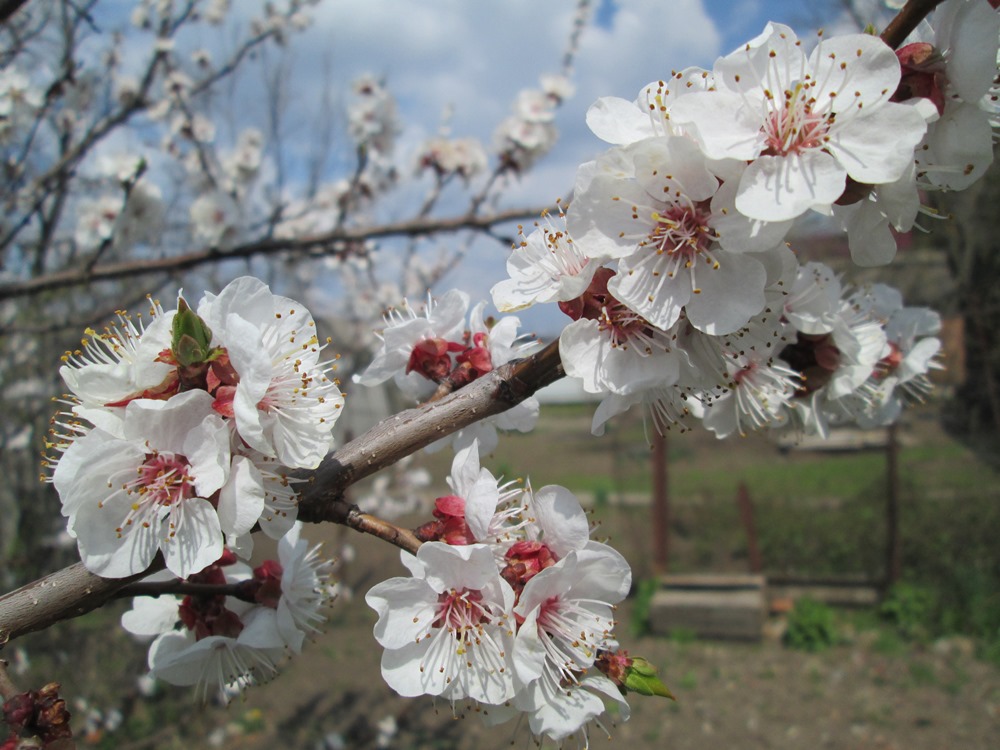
[[807, 123]]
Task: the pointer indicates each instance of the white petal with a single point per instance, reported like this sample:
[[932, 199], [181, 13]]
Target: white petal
[[151, 616], [561, 518], [197, 542], [857, 68], [730, 294], [778, 188], [722, 123], [406, 610], [241, 501], [618, 121], [878, 147]]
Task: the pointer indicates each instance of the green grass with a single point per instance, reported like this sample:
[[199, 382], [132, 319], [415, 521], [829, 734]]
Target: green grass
[[702, 467], [825, 475]]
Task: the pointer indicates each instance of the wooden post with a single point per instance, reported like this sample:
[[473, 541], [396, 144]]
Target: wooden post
[[661, 505], [747, 517], [894, 545]]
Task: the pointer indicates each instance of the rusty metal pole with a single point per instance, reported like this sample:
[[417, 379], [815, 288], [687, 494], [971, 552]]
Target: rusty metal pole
[[894, 543], [661, 505], [750, 527]]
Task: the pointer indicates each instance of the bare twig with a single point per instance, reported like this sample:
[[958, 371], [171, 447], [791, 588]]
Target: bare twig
[[327, 241], [184, 588]]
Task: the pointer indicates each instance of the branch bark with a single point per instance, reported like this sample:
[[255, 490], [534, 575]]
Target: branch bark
[[74, 591], [908, 18]]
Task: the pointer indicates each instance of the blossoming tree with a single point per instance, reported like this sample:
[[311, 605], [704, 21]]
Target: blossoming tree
[[187, 432]]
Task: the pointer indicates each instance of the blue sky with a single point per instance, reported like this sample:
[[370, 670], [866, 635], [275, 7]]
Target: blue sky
[[475, 57]]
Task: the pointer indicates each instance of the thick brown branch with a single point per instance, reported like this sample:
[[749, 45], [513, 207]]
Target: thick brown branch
[[321, 242], [62, 595], [74, 591], [402, 434], [908, 18]]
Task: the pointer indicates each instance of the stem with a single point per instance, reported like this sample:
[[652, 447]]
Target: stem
[[9, 8], [184, 588]]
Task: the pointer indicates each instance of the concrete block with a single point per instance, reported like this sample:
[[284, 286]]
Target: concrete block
[[726, 607]]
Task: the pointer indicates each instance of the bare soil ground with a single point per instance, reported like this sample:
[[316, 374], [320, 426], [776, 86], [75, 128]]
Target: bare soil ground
[[729, 695]]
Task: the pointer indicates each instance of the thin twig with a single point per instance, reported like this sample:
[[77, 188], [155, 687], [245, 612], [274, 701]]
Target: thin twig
[[327, 241], [184, 588]]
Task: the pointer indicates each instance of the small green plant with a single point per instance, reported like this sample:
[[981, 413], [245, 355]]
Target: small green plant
[[689, 681], [683, 636], [645, 590], [810, 626], [990, 649], [601, 499], [910, 609]]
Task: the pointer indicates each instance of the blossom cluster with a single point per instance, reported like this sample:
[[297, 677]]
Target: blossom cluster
[[529, 132], [181, 433], [672, 259], [230, 640], [510, 605], [447, 345]]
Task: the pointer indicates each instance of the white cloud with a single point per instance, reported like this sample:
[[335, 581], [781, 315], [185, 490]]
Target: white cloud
[[477, 56]]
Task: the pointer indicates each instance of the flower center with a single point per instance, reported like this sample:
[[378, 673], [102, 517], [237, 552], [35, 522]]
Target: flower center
[[460, 611], [888, 364], [793, 127], [207, 615], [525, 560], [624, 326], [816, 357], [681, 230], [430, 358], [680, 236], [164, 479]]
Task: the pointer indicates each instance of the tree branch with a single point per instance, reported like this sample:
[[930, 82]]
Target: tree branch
[[74, 591], [62, 595], [9, 8], [908, 18], [324, 241], [183, 588]]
